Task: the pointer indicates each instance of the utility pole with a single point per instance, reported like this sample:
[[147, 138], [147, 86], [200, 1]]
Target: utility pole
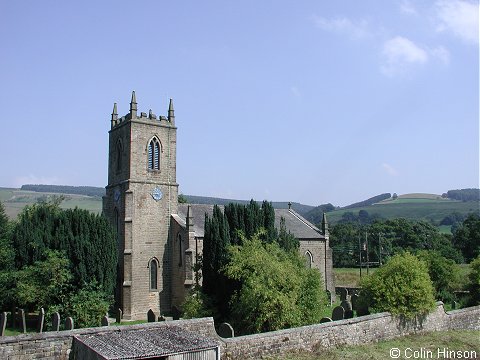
[[380, 249], [366, 242], [360, 254]]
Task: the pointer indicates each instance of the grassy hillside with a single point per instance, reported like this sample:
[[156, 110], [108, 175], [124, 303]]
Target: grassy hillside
[[15, 200], [412, 206]]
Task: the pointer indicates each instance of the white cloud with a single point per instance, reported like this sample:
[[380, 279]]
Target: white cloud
[[400, 53], [442, 54], [460, 18], [343, 25], [389, 169], [406, 7]]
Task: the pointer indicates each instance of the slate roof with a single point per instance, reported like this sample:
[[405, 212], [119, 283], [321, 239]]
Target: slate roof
[[294, 222], [145, 343]]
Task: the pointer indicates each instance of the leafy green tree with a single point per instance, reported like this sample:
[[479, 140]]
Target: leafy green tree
[[474, 282], [45, 283], [196, 305], [277, 290], [88, 305], [402, 286], [443, 272], [182, 199], [467, 237]]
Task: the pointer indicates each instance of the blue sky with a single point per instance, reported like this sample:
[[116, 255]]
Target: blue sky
[[307, 101]]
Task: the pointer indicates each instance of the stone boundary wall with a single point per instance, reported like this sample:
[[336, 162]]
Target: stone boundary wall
[[354, 331], [57, 345], [371, 328]]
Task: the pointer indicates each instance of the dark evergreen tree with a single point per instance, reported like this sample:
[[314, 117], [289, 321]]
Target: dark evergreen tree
[[87, 239], [215, 243], [467, 237], [286, 240]]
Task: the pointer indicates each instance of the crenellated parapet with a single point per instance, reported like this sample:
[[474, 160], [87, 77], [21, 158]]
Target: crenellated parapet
[[168, 120]]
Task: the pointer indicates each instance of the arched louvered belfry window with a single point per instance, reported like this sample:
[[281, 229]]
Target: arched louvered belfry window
[[153, 265], [154, 154]]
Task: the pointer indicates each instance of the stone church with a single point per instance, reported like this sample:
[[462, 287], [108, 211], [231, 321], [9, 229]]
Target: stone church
[[158, 238]]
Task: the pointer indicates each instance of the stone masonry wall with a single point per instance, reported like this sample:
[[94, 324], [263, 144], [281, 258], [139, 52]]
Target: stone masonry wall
[[354, 331], [346, 332], [57, 345]]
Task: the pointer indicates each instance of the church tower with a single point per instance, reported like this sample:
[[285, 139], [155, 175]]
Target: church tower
[[141, 194]]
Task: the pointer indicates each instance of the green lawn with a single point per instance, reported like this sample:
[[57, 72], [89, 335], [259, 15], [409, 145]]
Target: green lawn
[[453, 340]]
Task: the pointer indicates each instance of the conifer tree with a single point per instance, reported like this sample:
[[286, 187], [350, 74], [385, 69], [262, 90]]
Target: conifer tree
[[87, 239]]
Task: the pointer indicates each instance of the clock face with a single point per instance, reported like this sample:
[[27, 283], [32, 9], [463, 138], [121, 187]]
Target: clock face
[[116, 195], [157, 194]]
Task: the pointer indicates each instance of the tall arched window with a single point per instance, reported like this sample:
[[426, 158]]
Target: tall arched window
[[117, 228], [153, 273], [180, 250], [154, 154], [119, 155], [309, 259]]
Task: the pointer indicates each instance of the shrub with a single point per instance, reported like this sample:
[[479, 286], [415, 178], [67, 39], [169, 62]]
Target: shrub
[[474, 282], [402, 286], [88, 305]]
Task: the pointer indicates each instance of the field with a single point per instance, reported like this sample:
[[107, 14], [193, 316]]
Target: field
[[461, 340], [416, 208], [350, 277], [15, 200]]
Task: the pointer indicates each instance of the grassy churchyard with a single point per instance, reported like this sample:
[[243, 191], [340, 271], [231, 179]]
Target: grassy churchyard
[[425, 346]]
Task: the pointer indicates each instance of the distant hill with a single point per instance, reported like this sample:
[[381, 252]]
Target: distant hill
[[193, 199], [417, 206], [66, 189], [90, 198], [429, 207]]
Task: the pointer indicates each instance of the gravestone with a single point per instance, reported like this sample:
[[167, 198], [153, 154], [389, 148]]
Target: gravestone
[[329, 298], [69, 325], [225, 330], [343, 293], [338, 313], [13, 317], [119, 316], [354, 299], [454, 305], [362, 308], [345, 304], [151, 317], [3, 323], [105, 321], [325, 319], [21, 321], [55, 321], [176, 313], [40, 320]]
